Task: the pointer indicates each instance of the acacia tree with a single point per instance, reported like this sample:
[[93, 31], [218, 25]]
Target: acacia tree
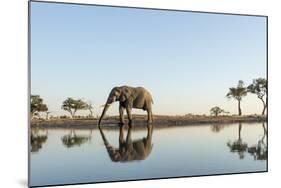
[[237, 93], [216, 111], [71, 105], [89, 106], [259, 87], [37, 105]]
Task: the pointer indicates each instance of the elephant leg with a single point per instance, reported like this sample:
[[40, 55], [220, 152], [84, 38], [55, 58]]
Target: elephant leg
[[149, 116], [149, 135], [121, 115], [121, 137], [129, 114], [129, 144]]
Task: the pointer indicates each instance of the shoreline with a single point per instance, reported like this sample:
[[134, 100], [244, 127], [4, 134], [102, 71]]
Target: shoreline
[[140, 121]]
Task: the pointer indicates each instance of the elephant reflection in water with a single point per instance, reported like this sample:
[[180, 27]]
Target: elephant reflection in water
[[72, 139], [37, 139], [259, 151], [129, 150], [238, 145]]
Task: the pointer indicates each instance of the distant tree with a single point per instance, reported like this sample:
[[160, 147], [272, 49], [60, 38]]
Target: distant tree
[[237, 93], [89, 106], [259, 87], [216, 111], [71, 105], [37, 105]]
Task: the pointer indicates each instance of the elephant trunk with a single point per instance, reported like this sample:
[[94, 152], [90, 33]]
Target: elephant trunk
[[104, 138], [104, 112], [112, 152]]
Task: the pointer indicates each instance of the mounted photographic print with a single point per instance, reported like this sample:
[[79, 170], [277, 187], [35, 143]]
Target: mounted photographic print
[[123, 93]]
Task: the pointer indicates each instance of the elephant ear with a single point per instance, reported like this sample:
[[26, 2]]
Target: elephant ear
[[125, 94]]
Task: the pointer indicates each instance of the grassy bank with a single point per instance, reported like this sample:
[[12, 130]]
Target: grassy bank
[[140, 120]]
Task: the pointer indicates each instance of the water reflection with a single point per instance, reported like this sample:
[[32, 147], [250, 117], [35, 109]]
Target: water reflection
[[37, 139], [238, 146], [259, 151], [129, 150], [72, 139], [216, 128], [189, 150]]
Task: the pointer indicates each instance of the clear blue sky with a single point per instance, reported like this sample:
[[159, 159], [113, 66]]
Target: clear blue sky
[[186, 60]]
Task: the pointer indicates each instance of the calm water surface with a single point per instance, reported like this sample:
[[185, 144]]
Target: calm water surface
[[66, 156]]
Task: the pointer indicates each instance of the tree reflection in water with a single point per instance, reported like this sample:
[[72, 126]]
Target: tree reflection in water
[[72, 139], [259, 151], [238, 145], [216, 128], [129, 150], [37, 139]]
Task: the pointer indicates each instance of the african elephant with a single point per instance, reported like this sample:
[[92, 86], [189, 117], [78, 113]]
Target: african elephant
[[129, 150], [129, 97]]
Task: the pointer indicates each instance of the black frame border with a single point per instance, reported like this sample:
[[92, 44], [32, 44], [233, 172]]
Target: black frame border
[[132, 7]]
